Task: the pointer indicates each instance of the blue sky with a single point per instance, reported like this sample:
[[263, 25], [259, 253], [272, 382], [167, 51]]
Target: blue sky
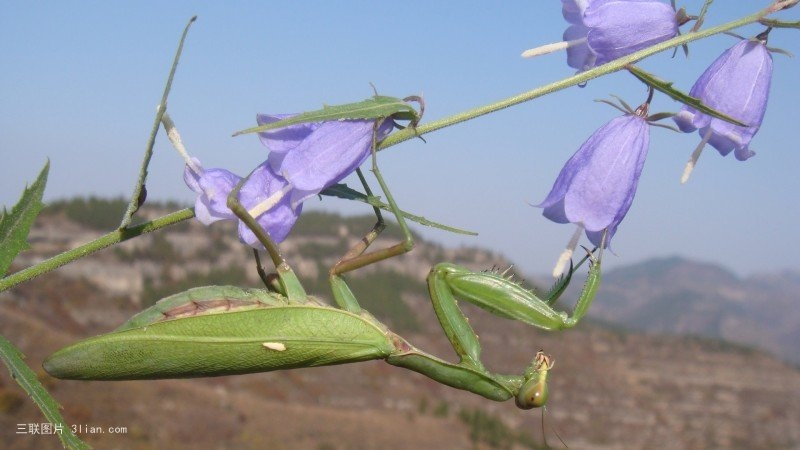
[[80, 83]]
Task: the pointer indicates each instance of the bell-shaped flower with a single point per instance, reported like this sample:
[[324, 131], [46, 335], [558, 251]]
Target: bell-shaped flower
[[596, 187], [213, 187], [603, 30], [304, 159], [736, 84], [615, 28], [314, 156]]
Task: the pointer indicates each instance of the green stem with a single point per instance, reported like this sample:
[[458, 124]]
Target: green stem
[[107, 240], [583, 77]]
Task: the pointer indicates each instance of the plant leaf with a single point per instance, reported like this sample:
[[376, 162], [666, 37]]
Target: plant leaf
[[26, 378], [376, 107], [666, 88], [343, 191], [15, 226]]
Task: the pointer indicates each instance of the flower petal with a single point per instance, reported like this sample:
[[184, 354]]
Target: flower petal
[[737, 84], [602, 190], [282, 140], [213, 187], [192, 177], [621, 27], [277, 220], [572, 10], [327, 155], [579, 55], [597, 184]]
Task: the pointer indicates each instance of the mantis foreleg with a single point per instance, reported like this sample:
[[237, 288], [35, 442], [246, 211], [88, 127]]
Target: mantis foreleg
[[505, 298]]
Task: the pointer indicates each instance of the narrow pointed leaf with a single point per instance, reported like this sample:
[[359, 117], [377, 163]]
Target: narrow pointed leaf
[[26, 378], [666, 88], [15, 226], [347, 193], [377, 107]]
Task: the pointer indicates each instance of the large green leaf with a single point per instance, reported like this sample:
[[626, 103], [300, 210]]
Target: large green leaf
[[27, 379], [377, 107], [15, 226]]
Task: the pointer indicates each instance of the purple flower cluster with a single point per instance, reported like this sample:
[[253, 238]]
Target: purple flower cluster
[[596, 187], [304, 159]]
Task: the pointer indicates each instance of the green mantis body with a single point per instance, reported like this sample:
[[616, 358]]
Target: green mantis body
[[235, 330], [223, 330]]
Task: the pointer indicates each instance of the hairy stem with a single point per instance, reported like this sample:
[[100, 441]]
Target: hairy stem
[[100, 243]]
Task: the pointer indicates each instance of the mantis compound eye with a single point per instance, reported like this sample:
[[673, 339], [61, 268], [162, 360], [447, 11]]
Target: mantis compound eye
[[534, 392]]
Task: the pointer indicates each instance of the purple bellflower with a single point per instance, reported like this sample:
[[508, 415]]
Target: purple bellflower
[[214, 185], [278, 218], [596, 187], [610, 29], [736, 84], [304, 159], [314, 156], [603, 30]]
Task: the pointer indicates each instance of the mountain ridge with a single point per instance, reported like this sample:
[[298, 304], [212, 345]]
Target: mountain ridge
[[676, 295]]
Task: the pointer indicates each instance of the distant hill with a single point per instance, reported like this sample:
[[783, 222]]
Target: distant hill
[[678, 296], [611, 388]]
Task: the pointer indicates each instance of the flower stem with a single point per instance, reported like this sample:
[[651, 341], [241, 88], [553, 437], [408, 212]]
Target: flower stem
[[139, 191], [100, 243], [583, 77]]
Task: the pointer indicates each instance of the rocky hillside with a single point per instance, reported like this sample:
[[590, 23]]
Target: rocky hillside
[[682, 297], [609, 388]]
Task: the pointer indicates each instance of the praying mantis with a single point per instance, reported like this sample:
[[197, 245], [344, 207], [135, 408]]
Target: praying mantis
[[225, 330]]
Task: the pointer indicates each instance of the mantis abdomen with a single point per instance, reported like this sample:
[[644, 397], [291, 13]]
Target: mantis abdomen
[[253, 340]]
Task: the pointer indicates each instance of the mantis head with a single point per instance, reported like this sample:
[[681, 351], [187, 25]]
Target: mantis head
[[533, 393]]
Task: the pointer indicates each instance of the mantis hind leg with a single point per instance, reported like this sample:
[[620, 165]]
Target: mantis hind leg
[[357, 256]]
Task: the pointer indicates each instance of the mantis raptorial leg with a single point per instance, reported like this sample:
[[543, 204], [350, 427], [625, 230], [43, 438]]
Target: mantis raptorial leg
[[502, 297]]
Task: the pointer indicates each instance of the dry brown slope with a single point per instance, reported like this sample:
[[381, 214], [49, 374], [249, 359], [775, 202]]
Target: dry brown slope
[[609, 390]]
